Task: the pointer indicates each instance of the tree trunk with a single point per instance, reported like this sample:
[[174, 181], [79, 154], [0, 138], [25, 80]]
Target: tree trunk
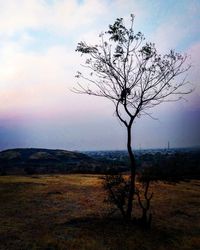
[[144, 216], [133, 170]]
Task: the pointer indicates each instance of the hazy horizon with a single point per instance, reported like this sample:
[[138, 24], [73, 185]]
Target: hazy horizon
[[38, 64], [104, 150]]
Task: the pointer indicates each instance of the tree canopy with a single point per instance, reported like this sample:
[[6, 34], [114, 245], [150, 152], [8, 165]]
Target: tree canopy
[[130, 72]]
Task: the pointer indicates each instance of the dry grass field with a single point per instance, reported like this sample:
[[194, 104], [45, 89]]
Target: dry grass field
[[68, 212]]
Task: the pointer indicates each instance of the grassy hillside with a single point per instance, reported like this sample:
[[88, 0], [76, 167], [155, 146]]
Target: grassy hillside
[[24, 155], [34, 161], [67, 212]]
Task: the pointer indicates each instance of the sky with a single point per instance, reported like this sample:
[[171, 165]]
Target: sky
[[38, 63]]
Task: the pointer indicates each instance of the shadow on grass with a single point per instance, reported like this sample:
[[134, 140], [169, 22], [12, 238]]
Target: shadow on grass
[[115, 233]]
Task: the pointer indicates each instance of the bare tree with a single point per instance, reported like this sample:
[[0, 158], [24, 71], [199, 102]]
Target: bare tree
[[134, 76]]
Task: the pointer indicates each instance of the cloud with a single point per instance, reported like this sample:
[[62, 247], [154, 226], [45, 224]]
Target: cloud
[[36, 75], [179, 28], [194, 76], [61, 16], [38, 85], [33, 80]]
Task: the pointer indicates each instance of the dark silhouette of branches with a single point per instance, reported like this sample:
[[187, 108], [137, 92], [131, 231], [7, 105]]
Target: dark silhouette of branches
[[131, 73]]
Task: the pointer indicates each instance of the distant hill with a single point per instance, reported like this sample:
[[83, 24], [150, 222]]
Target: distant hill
[[34, 161], [176, 162]]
